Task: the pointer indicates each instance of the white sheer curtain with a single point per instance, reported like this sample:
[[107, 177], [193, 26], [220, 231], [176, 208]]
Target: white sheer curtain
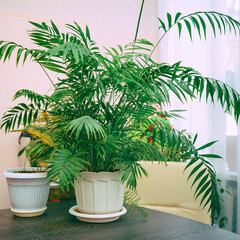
[[219, 59]]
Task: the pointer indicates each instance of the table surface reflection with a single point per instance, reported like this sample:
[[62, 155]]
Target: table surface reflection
[[57, 223]]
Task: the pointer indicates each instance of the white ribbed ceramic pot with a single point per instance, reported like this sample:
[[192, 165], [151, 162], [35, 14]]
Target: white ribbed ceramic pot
[[100, 193], [28, 192]]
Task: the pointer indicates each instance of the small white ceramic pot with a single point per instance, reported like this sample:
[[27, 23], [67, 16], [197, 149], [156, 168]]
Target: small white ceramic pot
[[28, 192], [100, 193]]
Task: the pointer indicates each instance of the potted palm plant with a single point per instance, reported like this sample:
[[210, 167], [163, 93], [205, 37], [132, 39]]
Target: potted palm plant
[[101, 105]]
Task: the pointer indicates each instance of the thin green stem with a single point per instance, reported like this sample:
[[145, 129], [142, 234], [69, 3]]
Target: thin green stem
[[47, 75], [139, 19], [137, 28], [158, 43]]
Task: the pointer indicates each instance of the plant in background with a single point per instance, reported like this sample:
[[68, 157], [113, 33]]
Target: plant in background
[[99, 96], [42, 141]]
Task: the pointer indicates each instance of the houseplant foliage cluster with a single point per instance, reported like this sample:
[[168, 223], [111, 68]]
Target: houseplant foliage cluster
[[103, 102], [208, 186]]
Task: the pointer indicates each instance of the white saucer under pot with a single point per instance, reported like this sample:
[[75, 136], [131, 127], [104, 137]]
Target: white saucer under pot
[[30, 213], [96, 218]]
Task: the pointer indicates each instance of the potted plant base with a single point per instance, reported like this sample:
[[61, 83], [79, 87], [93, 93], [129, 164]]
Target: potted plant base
[[57, 195], [28, 191], [99, 197]]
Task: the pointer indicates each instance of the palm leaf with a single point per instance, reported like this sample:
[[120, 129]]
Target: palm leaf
[[85, 123], [200, 21], [66, 166]]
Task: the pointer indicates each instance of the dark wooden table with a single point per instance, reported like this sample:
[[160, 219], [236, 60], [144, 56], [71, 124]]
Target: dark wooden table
[[57, 223]]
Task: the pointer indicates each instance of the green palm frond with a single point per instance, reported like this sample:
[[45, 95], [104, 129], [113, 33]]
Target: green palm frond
[[7, 49], [24, 114], [131, 200], [206, 184], [88, 125], [66, 166], [21, 114], [186, 82], [131, 171], [85, 38], [215, 90], [32, 96], [201, 170], [204, 179], [127, 160], [46, 36], [199, 20]]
